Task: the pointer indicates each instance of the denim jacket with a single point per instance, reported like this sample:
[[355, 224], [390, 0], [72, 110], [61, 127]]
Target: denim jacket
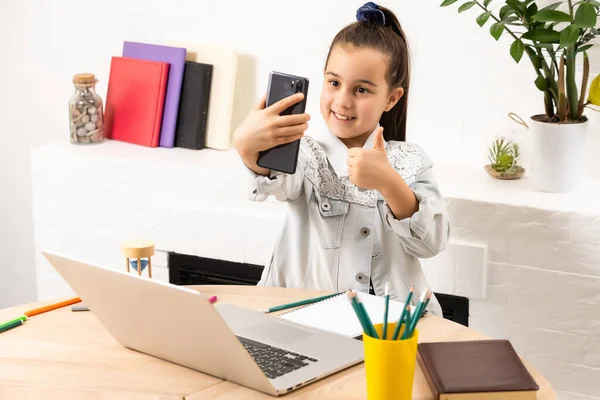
[[337, 236]]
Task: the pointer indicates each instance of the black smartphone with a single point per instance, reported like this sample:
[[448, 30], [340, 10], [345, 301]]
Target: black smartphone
[[284, 158]]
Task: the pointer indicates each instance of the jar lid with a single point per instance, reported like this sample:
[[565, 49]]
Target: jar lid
[[84, 79]]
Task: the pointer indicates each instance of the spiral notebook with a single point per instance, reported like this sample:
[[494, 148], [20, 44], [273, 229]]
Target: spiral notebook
[[337, 315]]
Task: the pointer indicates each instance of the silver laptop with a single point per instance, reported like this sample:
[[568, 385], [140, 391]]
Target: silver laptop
[[177, 324]]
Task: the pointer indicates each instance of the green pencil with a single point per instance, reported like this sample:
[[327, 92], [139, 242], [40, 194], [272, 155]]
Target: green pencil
[[385, 313], [352, 297], [417, 315], [406, 303], [13, 324], [404, 318], [12, 321], [367, 319], [423, 306], [299, 303]]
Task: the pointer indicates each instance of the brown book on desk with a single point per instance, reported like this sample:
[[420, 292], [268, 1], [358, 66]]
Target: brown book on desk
[[475, 370]]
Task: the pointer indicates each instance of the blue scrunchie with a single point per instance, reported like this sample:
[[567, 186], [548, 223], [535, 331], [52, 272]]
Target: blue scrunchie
[[371, 13]]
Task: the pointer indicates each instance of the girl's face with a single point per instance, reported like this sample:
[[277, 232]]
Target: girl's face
[[355, 92]]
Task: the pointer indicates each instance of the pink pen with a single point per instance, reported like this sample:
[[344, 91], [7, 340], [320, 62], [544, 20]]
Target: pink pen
[[213, 299]]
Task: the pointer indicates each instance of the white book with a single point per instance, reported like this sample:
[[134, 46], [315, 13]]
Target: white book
[[337, 315]]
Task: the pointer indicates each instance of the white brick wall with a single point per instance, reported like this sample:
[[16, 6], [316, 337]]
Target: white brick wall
[[532, 274]]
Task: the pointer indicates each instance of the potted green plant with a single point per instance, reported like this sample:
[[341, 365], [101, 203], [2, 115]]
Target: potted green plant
[[554, 38]]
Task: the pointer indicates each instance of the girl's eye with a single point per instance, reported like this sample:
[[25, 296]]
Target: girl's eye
[[362, 90], [334, 83]]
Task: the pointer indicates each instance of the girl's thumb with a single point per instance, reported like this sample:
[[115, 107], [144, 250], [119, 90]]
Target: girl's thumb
[[379, 142]]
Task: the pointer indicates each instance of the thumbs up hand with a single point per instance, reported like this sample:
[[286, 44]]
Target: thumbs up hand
[[370, 168]]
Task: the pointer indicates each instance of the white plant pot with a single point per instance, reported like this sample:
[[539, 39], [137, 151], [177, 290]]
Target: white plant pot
[[557, 155]]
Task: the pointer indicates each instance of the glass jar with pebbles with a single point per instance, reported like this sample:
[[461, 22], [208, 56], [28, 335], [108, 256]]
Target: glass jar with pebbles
[[85, 111]]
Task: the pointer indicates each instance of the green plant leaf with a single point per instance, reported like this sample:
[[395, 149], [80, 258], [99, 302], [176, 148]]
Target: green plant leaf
[[466, 6], [517, 6], [541, 83], [531, 10], [594, 96], [552, 6], [496, 30], [551, 16], [535, 60], [510, 19], [516, 50], [483, 18], [587, 37], [486, 3], [542, 35], [584, 48], [448, 2], [593, 2], [505, 11], [585, 16], [569, 35]]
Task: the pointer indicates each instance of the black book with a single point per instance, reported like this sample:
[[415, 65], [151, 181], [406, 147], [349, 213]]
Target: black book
[[192, 117]]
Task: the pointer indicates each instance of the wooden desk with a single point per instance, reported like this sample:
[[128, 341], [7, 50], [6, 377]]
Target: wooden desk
[[69, 355]]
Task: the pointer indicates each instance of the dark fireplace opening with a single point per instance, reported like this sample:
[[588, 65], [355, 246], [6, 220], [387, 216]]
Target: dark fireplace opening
[[193, 270]]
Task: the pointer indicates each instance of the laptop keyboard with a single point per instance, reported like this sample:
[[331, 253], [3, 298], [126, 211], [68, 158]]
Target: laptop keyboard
[[274, 361]]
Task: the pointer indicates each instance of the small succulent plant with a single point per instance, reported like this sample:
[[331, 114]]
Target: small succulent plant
[[503, 155]]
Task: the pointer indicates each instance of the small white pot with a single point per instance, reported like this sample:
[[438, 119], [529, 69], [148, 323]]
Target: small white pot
[[557, 155]]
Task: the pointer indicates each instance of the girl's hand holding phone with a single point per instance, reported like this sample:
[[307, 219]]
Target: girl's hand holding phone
[[264, 129]]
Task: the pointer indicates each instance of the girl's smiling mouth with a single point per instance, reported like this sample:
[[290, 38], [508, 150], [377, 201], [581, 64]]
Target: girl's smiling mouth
[[342, 117]]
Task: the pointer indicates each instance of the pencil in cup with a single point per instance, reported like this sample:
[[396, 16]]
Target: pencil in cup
[[386, 311], [368, 321], [390, 365], [405, 313], [357, 310], [414, 320]]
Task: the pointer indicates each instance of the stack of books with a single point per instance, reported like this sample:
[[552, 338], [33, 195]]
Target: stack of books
[[163, 96]]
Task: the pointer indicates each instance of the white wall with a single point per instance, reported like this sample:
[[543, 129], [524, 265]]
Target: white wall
[[464, 83], [17, 270]]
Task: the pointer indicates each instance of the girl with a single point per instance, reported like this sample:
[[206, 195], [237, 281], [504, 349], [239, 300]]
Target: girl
[[363, 203]]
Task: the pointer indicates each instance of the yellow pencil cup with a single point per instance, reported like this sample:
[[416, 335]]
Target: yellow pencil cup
[[390, 364]]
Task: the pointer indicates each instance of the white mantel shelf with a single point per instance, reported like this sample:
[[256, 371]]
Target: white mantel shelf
[[528, 261], [469, 182], [456, 181]]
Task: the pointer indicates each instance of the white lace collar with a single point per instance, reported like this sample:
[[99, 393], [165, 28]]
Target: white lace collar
[[326, 169]]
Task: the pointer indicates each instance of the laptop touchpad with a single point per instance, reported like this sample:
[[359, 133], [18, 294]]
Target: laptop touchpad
[[278, 332]]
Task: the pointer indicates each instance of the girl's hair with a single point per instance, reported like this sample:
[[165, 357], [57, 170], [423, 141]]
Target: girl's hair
[[383, 33]]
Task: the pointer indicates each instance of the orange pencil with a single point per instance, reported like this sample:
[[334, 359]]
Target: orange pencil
[[51, 307]]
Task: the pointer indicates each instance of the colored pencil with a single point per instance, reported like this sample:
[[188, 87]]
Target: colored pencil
[[12, 321], [370, 327], [13, 324], [51, 307], [299, 303], [352, 297], [417, 315], [403, 315], [385, 313]]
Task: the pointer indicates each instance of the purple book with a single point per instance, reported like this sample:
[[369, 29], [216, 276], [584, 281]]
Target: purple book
[[175, 56]]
